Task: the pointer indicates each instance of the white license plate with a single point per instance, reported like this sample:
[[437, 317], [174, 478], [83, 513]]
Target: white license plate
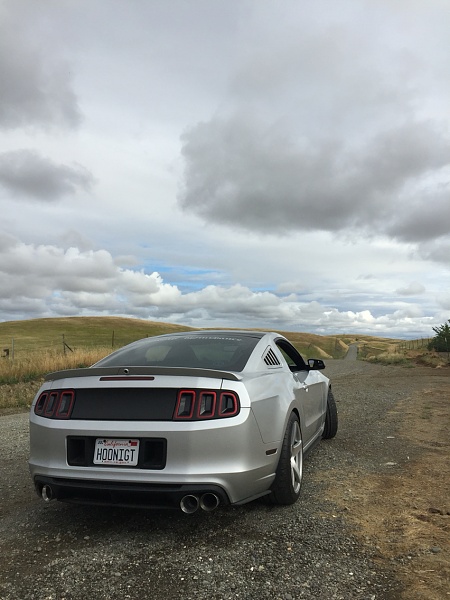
[[109, 451]]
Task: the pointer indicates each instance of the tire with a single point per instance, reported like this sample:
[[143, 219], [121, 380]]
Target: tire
[[288, 479], [331, 418]]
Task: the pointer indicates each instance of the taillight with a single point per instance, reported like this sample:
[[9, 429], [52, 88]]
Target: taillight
[[185, 404], [50, 405], [229, 405], [65, 404], [56, 404], [197, 405], [39, 407], [206, 405]]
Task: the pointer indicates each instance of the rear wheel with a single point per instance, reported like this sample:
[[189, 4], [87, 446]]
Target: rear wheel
[[331, 418], [288, 480]]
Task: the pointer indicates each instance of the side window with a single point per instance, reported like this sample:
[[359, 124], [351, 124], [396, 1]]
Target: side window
[[292, 357], [286, 357]]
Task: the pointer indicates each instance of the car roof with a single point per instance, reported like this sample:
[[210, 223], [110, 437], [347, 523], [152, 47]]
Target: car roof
[[219, 332]]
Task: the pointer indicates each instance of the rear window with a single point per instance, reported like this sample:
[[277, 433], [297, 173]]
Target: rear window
[[227, 352]]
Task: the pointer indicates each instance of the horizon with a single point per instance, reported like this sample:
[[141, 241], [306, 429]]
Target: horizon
[[285, 331]]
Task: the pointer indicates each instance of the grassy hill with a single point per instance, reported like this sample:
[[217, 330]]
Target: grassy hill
[[38, 335], [63, 335], [32, 348]]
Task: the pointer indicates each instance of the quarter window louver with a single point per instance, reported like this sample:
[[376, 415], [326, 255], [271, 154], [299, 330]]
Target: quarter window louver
[[270, 358]]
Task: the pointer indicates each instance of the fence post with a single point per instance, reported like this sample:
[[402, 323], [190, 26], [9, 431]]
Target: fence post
[[65, 345]]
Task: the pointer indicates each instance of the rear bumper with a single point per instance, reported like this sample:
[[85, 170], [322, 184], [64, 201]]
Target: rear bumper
[[227, 458], [138, 495]]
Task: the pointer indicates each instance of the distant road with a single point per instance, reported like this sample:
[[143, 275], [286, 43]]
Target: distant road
[[352, 352]]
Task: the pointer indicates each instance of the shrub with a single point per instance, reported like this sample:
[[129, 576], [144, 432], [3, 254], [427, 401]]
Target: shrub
[[441, 341]]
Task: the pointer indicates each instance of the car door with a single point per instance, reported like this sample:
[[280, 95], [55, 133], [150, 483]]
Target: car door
[[308, 390]]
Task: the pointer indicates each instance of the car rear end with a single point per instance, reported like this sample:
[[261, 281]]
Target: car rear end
[[161, 438]]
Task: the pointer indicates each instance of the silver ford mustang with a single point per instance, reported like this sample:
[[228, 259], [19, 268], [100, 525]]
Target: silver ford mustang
[[189, 420]]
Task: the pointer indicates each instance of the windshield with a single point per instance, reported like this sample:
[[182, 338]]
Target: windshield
[[215, 351]]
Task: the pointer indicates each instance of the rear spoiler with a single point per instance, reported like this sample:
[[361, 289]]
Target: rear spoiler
[[123, 372]]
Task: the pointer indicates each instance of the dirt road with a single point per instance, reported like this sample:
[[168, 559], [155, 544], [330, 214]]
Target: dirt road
[[371, 524]]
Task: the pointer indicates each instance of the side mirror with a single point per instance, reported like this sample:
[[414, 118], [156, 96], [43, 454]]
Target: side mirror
[[316, 364]]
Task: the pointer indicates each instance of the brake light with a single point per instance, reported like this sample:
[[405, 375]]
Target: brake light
[[56, 404], [228, 405], [65, 404], [206, 405], [50, 404], [197, 405], [39, 408], [185, 404]]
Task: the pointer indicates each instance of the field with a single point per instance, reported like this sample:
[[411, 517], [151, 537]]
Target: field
[[30, 349]]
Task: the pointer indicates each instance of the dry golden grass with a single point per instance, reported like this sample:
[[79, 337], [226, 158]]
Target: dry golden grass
[[37, 364], [410, 358], [20, 379]]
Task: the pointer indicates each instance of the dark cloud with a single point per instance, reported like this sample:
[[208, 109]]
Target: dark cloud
[[424, 216], [25, 174], [36, 87], [241, 172]]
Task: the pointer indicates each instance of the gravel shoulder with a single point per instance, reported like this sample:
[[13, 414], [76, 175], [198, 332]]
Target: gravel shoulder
[[362, 528]]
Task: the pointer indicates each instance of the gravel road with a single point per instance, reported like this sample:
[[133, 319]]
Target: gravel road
[[308, 550]]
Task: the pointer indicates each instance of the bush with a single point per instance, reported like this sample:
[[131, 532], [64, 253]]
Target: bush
[[441, 341]]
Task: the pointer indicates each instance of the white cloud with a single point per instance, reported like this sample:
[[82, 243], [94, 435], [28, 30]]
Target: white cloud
[[48, 280]]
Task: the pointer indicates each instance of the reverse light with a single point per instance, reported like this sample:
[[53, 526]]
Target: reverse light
[[198, 405]]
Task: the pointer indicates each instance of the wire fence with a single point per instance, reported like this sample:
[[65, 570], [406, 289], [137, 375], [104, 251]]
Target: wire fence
[[66, 344], [63, 344], [414, 344]]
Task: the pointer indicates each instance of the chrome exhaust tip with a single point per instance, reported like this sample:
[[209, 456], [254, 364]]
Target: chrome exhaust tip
[[189, 504], [209, 502], [47, 493]]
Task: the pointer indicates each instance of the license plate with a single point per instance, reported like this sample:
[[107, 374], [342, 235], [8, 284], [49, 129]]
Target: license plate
[[109, 451]]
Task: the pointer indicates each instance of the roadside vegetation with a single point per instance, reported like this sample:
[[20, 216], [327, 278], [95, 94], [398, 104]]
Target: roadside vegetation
[[434, 352], [30, 349], [441, 341]]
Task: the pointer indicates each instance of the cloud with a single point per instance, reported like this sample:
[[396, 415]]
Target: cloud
[[334, 123], [46, 280], [413, 289], [325, 124], [25, 174], [36, 87], [244, 173]]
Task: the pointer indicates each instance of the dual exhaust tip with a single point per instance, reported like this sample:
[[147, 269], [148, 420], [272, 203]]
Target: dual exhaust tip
[[190, 504]]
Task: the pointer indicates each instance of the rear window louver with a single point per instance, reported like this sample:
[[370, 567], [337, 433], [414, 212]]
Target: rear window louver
[[271, 359]]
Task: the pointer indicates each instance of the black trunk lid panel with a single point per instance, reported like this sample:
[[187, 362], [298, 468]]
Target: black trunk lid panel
[[124, 404]]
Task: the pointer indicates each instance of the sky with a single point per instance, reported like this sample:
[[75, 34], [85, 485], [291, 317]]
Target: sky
[[227, 163]]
